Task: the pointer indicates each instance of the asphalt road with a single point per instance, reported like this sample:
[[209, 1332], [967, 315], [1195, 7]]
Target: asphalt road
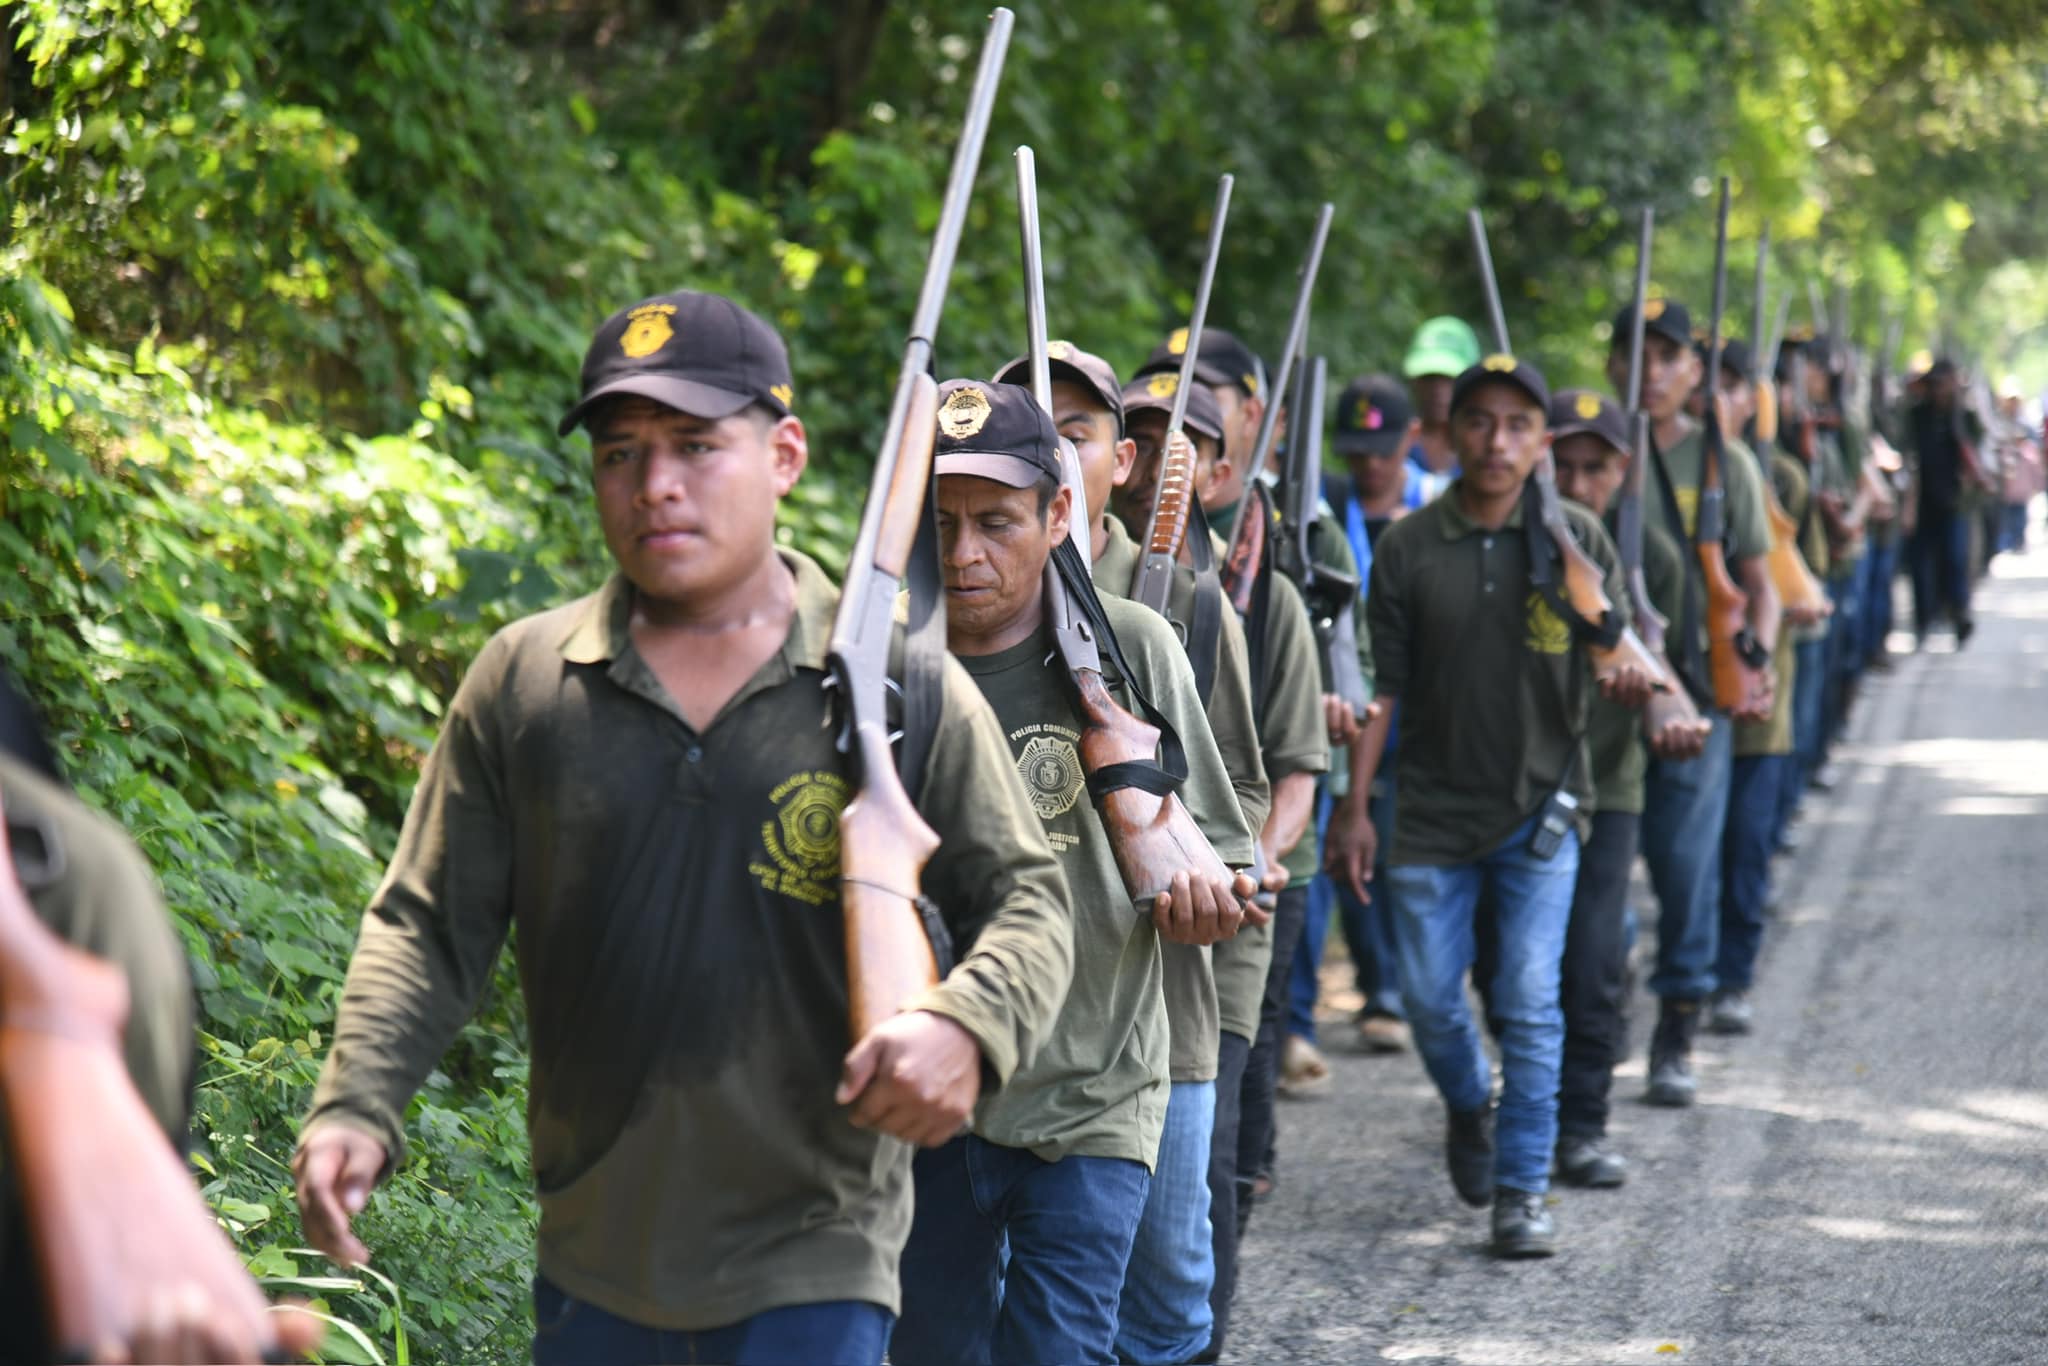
[[1865, 1179]]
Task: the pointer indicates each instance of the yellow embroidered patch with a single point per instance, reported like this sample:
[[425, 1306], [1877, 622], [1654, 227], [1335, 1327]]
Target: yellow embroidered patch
[[964, 413], [1548, 635], [1500, 363], [801, 843], [647, 330], [1177, 344], [1163, 385], [782, 392], [1589, 406]]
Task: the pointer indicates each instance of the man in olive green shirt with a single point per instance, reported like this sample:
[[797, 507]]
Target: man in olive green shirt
[[1685, 804], [1024, 1227], [1472, 639], [645, 783]]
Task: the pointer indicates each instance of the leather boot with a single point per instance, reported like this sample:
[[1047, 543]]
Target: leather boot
[[1468, 1150], [1671, 1078]]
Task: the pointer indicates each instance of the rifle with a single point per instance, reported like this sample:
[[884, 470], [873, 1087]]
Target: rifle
[[1729, 644], [112, 1214], [884, 843], [1628, 511], [1803, 596], [1247, 540], [1173, 497], [1150, 829], [1581, 584], [1328, 595]]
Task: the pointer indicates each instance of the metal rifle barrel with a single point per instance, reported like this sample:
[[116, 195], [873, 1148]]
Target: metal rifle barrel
[[1199, 317], [1297, 332], [1720, 302], [1758, 318], [938, 269], [1034, 278], [1635, 331], [1494, 314], [1778, 327]]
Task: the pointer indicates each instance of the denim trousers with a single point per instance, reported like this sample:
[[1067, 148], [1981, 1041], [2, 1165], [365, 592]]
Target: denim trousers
[[1013, 1258], [1941, 567], [1256, 1122], [572, 1332], [1434, 912], [1163, 1316], [1685, 806], [1806, 738], [1230, 1176], [1756, 785], [1877, 598], [1844, 649]]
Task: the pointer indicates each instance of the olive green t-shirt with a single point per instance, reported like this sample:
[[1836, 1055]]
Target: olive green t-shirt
[[1098, 1086], [1494, 693], [93, 890], [1614, 743], [1774, 736], [1748, 525], [674, 892], [1192, 1005]]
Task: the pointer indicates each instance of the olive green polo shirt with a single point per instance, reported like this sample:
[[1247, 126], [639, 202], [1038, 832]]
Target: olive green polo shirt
[[1774, 735], [1615, 743], [674, 893], [1788, 476], [1192, 1005], [1098, 1086], [1495, 695]]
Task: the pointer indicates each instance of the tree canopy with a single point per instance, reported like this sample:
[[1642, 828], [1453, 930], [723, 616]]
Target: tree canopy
[[292, 293]]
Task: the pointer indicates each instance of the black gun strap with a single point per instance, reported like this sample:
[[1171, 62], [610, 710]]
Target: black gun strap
[[1691, 661], [1171, 770], [1205, 618], [1544, 561], [1260, 608]]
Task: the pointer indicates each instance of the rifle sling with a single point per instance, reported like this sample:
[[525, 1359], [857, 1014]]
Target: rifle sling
[[1163, 777]]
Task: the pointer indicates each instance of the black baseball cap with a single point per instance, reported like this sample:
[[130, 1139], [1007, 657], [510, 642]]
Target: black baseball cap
[[701, 354], [1223, 360], [994, 431], [1154, 393], [1069, 362], [1373, 414], [1506, 369], [1573, 411], [1665, 317]]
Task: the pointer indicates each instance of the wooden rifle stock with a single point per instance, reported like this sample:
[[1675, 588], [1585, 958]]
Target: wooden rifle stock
[[113, 1215], [1247, 549], [1727, 616], [884, 843], [1583, 584], [1796, 586], [1154, 837], [1727, 609]]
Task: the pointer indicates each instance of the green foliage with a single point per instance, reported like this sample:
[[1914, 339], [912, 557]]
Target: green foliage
[[291, 294]]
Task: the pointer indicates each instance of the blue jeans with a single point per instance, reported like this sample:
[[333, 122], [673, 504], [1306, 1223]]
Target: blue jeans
[[1531, 899], [1807, 683], [1013, 1258], [1877, 597], [1941, 567], [1844, 649], [572, 1332], [1755, 786], [1685, 806], [1164, 1315]]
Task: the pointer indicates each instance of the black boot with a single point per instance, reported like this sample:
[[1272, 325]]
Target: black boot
[[1671, 1078], [1468, 1149], [1590, 1160], [1522, 1225]]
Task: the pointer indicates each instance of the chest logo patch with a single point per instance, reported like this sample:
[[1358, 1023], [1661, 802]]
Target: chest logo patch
[[801, 842], [1051, 770], [1548, 635], [1688, 507]]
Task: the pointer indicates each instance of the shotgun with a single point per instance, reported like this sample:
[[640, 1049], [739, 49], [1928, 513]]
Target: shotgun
[[112, 1214], [1803, 596], [1628, 512], [1329, 595], [883, 843], [1173, 497], [1732, 652], [1581, 578], [1249, 532], [1151, 831]]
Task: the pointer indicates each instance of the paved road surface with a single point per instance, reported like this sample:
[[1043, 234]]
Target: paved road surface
[[1865, 1179]]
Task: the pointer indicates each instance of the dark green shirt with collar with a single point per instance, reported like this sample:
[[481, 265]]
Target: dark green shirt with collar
[[1495, 695], [1615, 743], [675, 890], [1193, 1007], [1098, 1087]]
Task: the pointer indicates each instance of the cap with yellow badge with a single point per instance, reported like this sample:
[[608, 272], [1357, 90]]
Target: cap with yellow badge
[[1154, 393], [1502, 368], [1661, 317], [1223, 361], [700, 354], [1573, 411]]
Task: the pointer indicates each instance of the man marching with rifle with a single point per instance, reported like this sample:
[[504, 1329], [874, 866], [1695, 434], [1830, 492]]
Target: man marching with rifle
[[1025, 1225]]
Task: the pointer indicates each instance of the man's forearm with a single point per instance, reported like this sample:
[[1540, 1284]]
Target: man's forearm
[[1294, 801], [1365, 753]]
